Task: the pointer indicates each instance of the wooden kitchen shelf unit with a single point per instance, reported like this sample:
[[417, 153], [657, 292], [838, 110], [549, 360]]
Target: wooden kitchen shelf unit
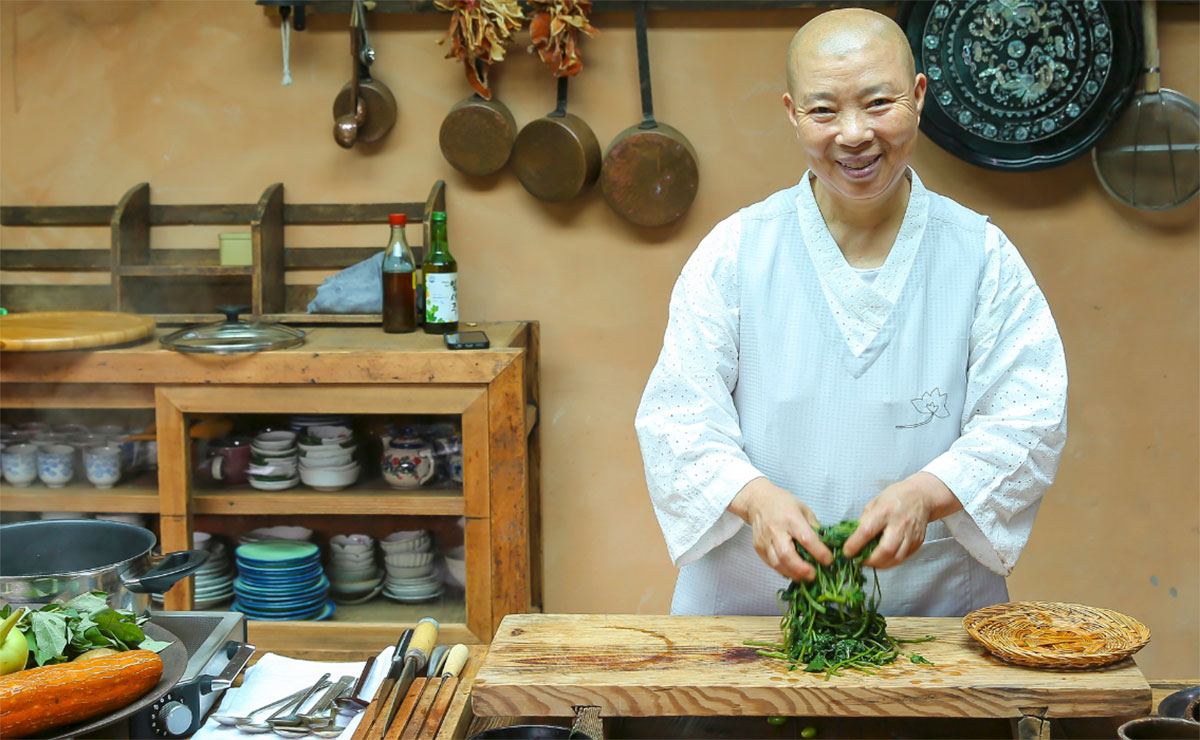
[[167, 283], [344, 370]]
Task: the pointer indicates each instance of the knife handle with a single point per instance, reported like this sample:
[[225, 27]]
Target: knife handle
[[424, 638], [455, 660]]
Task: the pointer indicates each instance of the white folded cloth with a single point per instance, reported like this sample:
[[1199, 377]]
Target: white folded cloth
[[274, 677]]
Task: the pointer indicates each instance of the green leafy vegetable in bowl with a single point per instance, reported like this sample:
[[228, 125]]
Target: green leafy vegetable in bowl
[[58, 633], [831, 623]]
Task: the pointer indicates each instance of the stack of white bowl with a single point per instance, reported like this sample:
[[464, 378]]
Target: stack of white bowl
[[354, 575], [412, 575], [454, 567], [273, 460], [327, 457]]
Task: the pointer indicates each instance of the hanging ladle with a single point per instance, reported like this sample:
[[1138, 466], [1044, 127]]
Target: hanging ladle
[[365, 109]]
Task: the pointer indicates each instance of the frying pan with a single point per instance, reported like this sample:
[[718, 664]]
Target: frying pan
[[1148, 160], [1023, 86], [650, 171], [557, 157], [365, 109], [477, 135]]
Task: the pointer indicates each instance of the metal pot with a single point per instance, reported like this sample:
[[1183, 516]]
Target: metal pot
[[557, 157], [58, 559], [650, 171]]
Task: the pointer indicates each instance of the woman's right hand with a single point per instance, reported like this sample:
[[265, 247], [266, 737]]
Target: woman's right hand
[[778, 519]]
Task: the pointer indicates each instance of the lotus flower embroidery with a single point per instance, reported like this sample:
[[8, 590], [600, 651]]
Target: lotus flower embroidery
[[932, 404]]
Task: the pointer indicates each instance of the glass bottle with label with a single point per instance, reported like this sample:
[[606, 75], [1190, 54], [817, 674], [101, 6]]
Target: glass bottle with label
[[441, 280], [399, 276]]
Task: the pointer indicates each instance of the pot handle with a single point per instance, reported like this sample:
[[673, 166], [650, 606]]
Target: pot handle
[[171, 569], [643, 57]]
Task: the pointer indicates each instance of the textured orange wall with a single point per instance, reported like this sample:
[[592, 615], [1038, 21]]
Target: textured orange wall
[[97, 96]]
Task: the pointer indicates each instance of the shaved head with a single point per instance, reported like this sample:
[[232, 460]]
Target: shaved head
[[844, 33]]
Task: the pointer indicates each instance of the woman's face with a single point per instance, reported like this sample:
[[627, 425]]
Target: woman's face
[[855, 108]]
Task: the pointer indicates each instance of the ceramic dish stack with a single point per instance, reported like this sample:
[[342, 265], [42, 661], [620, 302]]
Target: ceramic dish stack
[[354, 575], [273, 461], [281, 580], [300, 422], [214, 580], [327, 460], [412, 576]]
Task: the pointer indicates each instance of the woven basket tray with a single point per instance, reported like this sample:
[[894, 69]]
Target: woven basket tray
[[1050, 634]]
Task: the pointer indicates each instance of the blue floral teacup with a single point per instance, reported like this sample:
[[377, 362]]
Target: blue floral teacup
[[19, 462], [56, 465], [103, 465]]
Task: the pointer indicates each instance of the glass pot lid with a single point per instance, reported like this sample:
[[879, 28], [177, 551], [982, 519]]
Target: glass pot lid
[[233, 335]]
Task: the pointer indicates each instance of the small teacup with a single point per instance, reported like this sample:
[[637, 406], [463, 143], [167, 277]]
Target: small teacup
[[103, 465], [19, 463], [56, 465]]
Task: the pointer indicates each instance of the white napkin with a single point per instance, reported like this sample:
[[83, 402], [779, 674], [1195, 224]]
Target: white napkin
[[274, 677]]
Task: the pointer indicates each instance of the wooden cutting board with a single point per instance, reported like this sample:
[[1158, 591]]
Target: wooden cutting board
[[39, 331], [656, 666]]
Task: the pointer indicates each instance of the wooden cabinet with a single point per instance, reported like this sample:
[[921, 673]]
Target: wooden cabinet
[[344, 370]]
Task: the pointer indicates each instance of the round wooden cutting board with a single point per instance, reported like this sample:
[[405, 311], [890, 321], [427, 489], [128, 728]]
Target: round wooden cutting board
[[40, 331]]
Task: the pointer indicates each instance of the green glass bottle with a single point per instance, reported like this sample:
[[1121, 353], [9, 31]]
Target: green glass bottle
[[440, 278]]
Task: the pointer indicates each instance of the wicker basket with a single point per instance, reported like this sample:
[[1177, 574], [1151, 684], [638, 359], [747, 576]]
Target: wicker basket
[[1050, 634]]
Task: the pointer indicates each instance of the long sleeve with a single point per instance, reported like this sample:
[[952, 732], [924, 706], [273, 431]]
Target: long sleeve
[[686, 422], [1014, 421]]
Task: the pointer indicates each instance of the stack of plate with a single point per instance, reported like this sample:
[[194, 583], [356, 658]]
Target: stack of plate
[[300, 422], [281, 579], [412, 576], [214, 580], [273, 458], [354, 576]]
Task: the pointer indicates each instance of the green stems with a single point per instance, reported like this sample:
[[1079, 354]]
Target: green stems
[[830, 624]]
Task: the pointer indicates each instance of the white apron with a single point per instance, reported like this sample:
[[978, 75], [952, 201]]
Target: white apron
[[835, 418]]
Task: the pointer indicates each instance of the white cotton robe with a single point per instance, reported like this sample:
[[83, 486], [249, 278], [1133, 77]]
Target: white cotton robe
[[779, 360]]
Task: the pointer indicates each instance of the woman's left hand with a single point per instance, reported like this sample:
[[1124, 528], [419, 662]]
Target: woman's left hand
[[901, 512]]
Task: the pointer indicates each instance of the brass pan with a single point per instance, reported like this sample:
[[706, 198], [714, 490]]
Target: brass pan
[[650, 172], [557, 157]]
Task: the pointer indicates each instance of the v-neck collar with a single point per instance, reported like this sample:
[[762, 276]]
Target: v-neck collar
[[861, 311]]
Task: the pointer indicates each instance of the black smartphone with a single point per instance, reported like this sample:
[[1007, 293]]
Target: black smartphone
[[467, 340]]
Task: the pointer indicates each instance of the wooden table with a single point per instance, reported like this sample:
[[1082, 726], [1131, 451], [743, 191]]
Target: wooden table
[[657, 666]]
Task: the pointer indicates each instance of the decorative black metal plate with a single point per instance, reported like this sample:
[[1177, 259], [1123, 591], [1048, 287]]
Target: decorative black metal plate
[[1023, 84]]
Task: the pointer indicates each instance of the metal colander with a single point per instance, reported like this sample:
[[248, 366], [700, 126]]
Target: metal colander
[[1150, 159]]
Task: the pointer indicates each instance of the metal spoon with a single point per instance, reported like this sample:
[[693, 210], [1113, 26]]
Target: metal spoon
[[296, 703], [295, 719], [314, 718], [232, 719]]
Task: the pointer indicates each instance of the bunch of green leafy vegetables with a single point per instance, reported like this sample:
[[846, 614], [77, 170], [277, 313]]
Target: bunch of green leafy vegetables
[[57, 633], [832, 623]]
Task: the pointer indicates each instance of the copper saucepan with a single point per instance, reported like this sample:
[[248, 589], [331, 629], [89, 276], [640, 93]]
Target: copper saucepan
[[650, 172], [477, 135], [557, 157]]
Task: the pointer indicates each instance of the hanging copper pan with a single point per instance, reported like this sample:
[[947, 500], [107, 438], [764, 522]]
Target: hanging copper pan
[[557, 157], [477, 135], [650, 172]]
